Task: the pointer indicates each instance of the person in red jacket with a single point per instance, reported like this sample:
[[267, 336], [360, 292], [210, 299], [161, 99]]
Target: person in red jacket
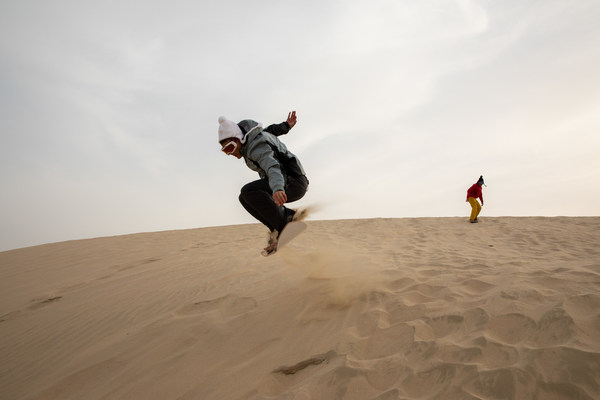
[[473, 194]]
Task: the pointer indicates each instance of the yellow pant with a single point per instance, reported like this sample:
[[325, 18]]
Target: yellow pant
[[475, 208]]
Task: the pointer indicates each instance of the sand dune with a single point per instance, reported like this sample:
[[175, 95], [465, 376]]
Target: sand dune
[[427, 308]]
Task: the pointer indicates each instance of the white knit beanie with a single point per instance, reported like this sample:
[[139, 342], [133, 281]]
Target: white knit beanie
[[229, 129]]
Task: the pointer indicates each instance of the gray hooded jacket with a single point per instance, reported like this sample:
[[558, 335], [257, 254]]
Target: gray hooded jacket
[[264, 153]]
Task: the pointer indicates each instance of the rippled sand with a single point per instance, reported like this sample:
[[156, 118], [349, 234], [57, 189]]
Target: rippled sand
[[426, 308]]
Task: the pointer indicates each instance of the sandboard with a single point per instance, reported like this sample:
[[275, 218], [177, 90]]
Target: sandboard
[[290, 231]]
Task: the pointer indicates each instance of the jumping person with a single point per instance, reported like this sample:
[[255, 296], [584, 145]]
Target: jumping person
[[474, 192], [282, 177]]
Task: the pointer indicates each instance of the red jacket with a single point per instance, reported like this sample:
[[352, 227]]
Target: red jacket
[[475, 191]]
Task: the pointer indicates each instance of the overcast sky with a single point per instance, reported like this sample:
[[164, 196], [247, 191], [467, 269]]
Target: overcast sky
[[108, 109]]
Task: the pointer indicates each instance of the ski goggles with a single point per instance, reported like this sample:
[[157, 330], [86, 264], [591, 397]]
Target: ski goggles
[[229, 147]]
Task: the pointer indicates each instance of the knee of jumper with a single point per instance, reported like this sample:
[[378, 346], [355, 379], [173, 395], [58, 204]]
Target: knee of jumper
[[243, 195], [251, 195]]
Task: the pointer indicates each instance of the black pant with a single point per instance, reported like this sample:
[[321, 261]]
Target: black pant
[[257, 199]]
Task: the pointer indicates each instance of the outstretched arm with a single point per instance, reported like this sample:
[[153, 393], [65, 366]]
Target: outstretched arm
[[284, 127]]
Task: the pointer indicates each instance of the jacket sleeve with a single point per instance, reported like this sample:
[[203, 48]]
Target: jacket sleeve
[[263, 155], [278, 129]]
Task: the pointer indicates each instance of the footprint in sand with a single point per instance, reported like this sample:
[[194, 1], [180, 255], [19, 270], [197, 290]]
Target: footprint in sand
[[43, 303], [316, 360], [229, 306], [37, 304]]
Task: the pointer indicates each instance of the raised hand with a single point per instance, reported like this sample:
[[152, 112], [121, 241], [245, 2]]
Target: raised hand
[[291, 119]]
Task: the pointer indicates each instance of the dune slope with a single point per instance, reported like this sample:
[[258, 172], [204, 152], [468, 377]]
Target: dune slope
[[426, 308]]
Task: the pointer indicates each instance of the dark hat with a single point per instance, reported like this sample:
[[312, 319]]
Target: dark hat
[[480, 181]]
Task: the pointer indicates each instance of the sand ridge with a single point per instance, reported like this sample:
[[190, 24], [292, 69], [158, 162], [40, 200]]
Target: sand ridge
[[424, 308]]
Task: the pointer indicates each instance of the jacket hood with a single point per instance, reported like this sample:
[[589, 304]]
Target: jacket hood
[[248, 126]]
